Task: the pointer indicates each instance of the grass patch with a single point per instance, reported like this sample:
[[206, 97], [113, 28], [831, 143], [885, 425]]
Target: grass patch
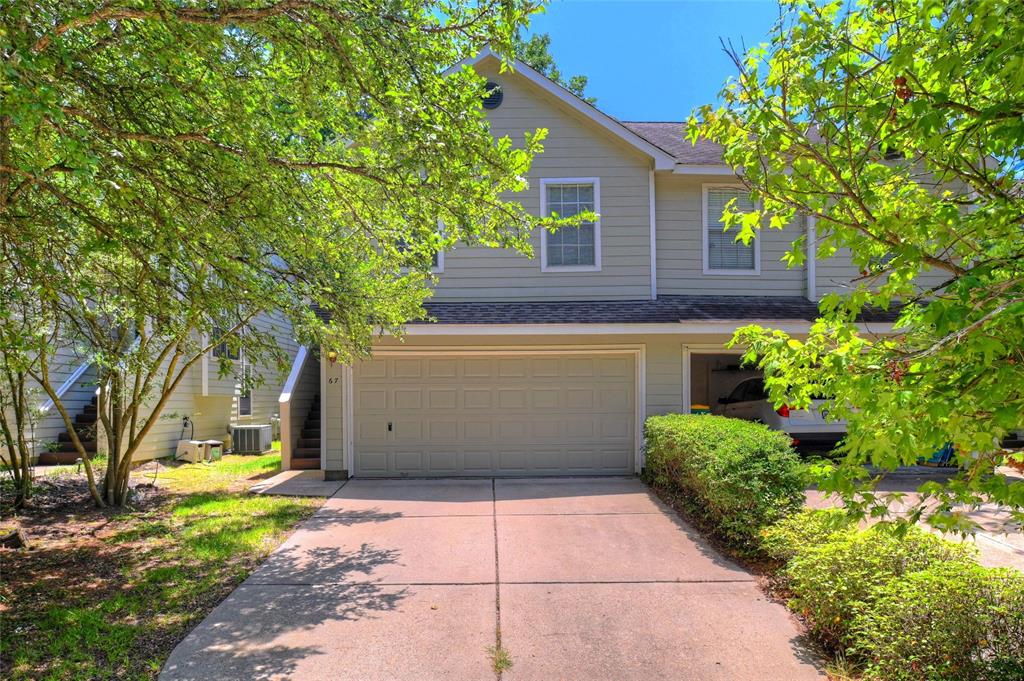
[[501, 660], [109, 594]]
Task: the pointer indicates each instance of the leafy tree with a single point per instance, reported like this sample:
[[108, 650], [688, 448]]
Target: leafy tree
[[17, 391], [172, 171], [898, 127], [535, 51]]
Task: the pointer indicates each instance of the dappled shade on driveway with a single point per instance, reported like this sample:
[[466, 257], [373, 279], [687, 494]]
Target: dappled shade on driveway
[[413, 579]]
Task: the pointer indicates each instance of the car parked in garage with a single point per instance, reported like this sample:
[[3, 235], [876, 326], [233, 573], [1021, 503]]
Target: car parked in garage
[[808, 427]]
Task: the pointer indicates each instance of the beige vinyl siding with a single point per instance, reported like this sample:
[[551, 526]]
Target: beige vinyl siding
[[680, 245], [838, 274], [574, 148], [333, 406]]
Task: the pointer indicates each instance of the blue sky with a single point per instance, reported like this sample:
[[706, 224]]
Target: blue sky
[[651, 60]]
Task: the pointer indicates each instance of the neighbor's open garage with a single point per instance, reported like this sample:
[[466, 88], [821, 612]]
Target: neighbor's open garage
[[713, 375]]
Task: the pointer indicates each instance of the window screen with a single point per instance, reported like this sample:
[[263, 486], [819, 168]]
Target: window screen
[[571, 245], [724, 252]]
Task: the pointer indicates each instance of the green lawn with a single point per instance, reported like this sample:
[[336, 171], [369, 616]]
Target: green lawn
[[112, 593]]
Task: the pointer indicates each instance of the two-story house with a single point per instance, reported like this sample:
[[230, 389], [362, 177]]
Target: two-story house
[[549, 365]]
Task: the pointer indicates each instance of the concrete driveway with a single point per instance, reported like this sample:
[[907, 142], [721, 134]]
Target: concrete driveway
[[422, 579]]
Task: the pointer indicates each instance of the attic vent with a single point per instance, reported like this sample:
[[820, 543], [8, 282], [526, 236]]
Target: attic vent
[[492, 95]]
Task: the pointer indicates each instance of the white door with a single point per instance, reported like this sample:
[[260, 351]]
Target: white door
[[486, 415]]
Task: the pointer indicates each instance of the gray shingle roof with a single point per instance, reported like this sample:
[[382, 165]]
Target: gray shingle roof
[[664, 310], [671, 136]]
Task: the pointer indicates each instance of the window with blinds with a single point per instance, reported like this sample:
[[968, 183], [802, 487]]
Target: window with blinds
[[723, 251]]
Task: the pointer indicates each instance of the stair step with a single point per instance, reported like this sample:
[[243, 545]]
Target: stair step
[[309, 443], [312, 423], [68, 446], [304, 452], [305, 463], [62, 458], [89, 409], [85, 419], [306, 433], [95, 400]]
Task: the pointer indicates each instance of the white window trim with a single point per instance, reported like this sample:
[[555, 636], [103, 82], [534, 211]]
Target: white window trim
[[596, 267], [439, 268], [704, 188]]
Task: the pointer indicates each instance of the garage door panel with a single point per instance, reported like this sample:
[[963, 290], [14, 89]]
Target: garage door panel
[[576, 428], [616, 459], [614, 400], [372, 462], [370, 370], [546, 367], [443, 431], [615, 367], [443, 398], [371, 399], [478, 462], [545, 398], [579, 367], [546, 430], [616, 428], [476, 398], [442, 368], [579, 398], [494, 415], [513, 460], [407, 398], [407, 368], [478, 431], [372, 430], [409, 461], [477, 368], [443, 463], [512, 398]]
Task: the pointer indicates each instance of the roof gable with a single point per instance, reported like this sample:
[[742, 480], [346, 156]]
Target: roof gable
[[663, 159]]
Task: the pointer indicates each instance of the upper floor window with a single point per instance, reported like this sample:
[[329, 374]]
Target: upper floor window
[[571, 248], [223, 348], [722, 253], [436, 259]]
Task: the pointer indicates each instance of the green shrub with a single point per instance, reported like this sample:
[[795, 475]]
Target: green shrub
[[948, 621], [737, 475], [834, 581], [809, 527]]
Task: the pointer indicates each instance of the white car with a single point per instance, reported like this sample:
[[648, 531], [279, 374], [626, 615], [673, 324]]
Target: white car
[[807, 427]]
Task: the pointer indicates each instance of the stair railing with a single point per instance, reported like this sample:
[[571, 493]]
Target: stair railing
[[288, 439]]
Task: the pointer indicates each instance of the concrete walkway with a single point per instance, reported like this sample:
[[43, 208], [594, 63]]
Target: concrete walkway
[[999, 539], [418, 579]]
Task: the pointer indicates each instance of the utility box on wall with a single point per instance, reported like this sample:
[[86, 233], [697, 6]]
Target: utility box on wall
[[251, 439]]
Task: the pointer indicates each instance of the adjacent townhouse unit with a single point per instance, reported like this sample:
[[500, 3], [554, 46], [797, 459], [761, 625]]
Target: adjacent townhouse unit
[[549, 365], [205, 406]]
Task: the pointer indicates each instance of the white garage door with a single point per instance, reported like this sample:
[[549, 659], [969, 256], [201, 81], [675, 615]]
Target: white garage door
[[544, 414]]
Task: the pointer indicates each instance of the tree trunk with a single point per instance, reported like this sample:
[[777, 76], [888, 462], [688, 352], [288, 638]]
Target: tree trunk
[[19, 448]]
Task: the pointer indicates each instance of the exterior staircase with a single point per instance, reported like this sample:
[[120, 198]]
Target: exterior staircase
[[65, 453], [306, 456]]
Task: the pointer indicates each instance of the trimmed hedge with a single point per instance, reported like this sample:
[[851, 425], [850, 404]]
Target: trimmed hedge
[[946, 622], [902, 605], [834, 581], [810, 527], [738, 476]]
